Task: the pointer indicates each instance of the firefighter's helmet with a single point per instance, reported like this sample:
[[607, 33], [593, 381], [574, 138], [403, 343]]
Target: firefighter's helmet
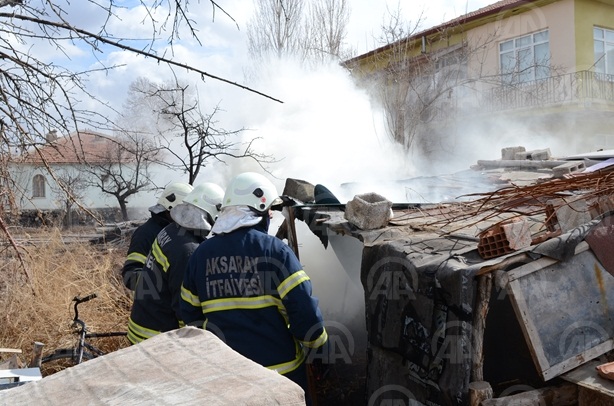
[[208, 197], [174, 194], [253, 190]]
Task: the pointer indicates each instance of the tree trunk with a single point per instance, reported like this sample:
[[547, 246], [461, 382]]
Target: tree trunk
[[68, 216], [124, 210]]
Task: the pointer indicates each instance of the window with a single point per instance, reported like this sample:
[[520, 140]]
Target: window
[[525, 58], [604, 50], [38, 186]]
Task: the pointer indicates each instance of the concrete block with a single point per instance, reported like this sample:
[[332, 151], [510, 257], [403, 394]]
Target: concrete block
[[567, 168], [368, 211], [509, 153], [522, 155], [541, 154]]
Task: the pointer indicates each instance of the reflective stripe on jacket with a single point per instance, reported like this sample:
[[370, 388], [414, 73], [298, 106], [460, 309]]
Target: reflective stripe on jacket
[[249, 288], [140, 244], [155, 308]]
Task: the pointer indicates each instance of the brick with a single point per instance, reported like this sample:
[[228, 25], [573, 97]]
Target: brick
[[504, 238]]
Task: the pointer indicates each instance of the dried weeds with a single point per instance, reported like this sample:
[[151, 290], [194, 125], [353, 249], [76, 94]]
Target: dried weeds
[[39, 307]]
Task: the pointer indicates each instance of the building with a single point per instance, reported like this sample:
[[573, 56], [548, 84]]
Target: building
[[536, 68], [66, 176]]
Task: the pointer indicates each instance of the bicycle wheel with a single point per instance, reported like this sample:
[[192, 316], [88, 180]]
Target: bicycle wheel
[[61, 359], [60, 354]]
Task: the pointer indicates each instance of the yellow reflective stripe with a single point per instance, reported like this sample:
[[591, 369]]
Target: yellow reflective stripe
[[181, 323], [289, 366], [290, 282], [189, 297], [136, 257], [257, 302], [318, 342], [159, 256], [138, 333]]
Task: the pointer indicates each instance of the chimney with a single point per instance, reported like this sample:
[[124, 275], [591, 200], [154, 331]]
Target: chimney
[[51, 136]]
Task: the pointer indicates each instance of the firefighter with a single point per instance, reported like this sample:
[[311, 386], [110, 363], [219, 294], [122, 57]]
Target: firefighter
[[249, 288], [143, 237], [155, 308]]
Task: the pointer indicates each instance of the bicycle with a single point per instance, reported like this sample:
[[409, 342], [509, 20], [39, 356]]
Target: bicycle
[[83, 350]]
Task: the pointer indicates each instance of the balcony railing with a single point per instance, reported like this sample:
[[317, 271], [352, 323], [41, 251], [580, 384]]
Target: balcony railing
[[574, 88]]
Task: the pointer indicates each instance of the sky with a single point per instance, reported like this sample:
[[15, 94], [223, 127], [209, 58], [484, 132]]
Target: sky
[[324, 121], [325, 131]]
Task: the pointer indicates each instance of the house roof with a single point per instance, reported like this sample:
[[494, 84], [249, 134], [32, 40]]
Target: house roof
[[76, 148], [486, 11]]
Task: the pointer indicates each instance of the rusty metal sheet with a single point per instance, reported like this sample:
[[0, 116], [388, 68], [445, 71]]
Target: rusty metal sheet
[[601, 241]]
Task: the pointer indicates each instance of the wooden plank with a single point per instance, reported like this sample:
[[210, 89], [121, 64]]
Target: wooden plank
[[564, 310], [541, 263], [478, 392], [11, 350], [572, 363], [527, 325], [563, 395], [586, 376], [512, 260], [479, 324]]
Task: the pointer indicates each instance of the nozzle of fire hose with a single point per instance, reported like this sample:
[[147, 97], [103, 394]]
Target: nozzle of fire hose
[[286, 201]]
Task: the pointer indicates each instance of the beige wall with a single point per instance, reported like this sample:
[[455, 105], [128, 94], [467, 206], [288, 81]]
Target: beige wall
[[557, 17], [590, 13]]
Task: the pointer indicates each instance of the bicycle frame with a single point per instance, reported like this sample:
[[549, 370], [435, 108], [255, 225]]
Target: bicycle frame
[[83, 348]]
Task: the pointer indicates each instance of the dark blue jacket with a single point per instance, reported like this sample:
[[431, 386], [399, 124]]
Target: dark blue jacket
[[155, 308], [249, 288], [140, 244]]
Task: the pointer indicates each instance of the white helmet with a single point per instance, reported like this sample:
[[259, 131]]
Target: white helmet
[[174, 194], [253, 190], [208, 197]]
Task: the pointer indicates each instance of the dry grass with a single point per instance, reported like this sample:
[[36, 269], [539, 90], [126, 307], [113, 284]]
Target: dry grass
[[39, 307]]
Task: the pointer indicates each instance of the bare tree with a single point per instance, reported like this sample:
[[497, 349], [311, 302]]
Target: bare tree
[[326, 29], [282, 28], [275, 29], [36, 96], [124, 169], [193, 138], [402, 88]]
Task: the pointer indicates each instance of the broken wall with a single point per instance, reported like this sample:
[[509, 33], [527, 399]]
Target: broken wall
[[419, 322]]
